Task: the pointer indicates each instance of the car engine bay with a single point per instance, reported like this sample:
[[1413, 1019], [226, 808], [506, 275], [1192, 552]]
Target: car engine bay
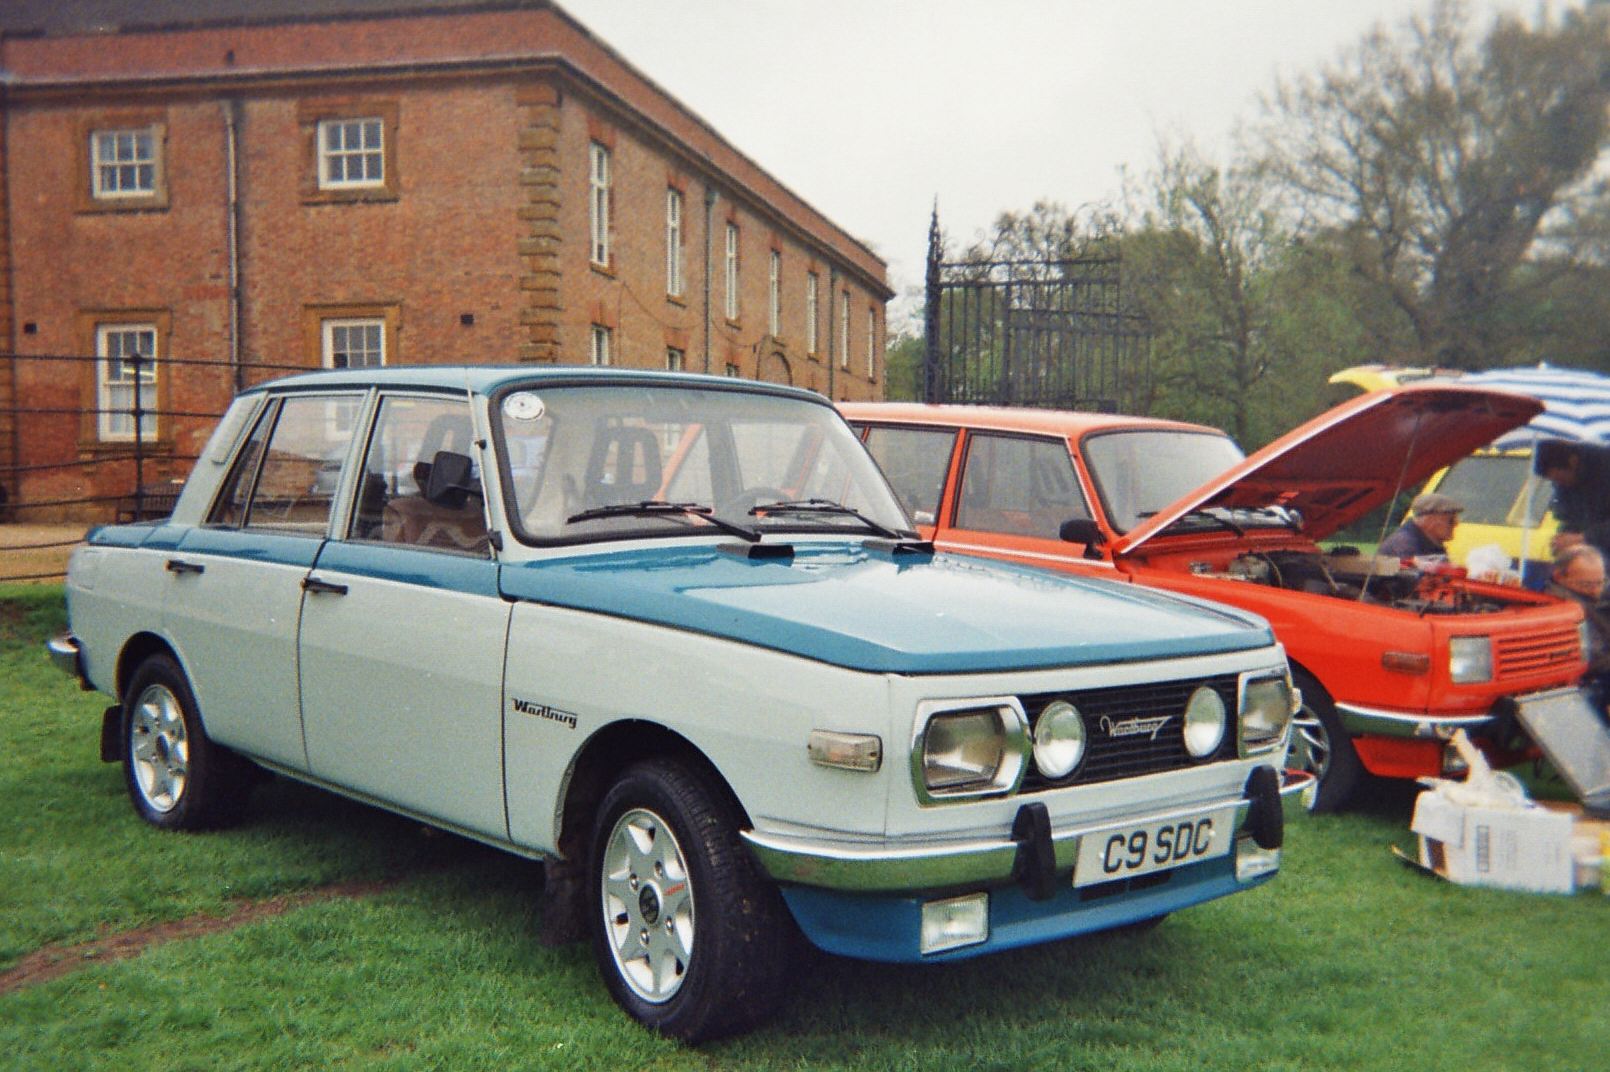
[[1346, 573]]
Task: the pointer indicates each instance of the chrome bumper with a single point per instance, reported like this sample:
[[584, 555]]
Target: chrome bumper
[[1421, 725], [66, 655], [880, 867]]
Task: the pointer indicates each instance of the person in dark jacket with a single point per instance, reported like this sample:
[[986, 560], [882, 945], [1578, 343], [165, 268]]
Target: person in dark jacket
[[1428, 528], [1578, 575], [1580, 473]]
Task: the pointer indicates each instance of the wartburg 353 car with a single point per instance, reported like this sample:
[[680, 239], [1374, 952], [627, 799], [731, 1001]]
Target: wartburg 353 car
[[1390, 659], [675, 636]]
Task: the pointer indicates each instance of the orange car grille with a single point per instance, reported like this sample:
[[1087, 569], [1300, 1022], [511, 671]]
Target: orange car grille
[[1527, 654]]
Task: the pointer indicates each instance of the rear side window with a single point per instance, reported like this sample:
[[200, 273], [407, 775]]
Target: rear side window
[[1019, 486], [286, 476], [914, 461]]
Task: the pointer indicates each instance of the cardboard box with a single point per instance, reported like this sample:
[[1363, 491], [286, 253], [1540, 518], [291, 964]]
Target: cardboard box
[[1521, 848]]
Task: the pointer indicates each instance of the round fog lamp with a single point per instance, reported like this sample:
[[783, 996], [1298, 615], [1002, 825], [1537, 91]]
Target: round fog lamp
[[1204, 723], [1059, 739]]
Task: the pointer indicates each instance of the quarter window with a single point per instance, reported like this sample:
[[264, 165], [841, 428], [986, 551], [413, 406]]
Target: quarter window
[[123, 163], [1019, 486], [126, 381], [352, 153], [598, 187]]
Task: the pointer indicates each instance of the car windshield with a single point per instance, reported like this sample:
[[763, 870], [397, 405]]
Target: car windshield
[[1138, 473], [610, 462], [1497, 489]]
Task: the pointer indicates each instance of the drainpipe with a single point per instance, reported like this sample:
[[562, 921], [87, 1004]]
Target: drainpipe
[[710, 197], [232, 178]]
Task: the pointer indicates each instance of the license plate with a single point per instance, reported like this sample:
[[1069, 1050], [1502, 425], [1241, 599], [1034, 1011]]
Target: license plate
[[1126, 851]]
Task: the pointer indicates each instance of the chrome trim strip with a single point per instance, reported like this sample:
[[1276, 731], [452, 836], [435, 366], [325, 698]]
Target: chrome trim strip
[[887, 867], [1383, 723], [999, 552]]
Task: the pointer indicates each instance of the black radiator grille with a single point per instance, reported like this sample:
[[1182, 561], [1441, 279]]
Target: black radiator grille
[[1110, 758]]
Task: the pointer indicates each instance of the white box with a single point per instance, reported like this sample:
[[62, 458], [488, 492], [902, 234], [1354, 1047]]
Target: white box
[[1510, 848]]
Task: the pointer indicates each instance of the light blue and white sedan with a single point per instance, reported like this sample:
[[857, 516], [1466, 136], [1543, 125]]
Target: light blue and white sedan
[[675, 636]]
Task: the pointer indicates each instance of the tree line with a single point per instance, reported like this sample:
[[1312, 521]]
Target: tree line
[[1435, 197]]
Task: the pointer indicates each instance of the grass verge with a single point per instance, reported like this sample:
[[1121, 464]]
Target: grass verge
[[1347, 961]]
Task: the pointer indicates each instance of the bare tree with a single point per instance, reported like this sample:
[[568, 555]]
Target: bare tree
[[1435, 159]]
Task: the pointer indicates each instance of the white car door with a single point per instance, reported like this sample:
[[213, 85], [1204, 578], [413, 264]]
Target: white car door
[[403, 630]]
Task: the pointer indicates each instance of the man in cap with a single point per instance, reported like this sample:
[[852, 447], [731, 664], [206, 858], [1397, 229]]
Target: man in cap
[[1427, 529]]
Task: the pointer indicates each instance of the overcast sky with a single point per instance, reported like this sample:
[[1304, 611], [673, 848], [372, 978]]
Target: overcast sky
[[871, 109]]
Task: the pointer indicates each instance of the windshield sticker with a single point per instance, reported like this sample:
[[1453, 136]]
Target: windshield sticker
[[524, 406]]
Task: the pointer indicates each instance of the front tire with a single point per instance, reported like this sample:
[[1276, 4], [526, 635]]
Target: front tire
[[1323, 748], [691, 939], [177, 778]]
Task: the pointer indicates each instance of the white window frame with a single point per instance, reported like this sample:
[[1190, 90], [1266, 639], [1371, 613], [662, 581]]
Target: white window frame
[[128, 153], [331, 328], [119, 427], [775, 292], [812, 313], [365, 152], [844, 329], [675, 360], [601, 345], [598, 194], [731, 307], [673, 242], [872, 344]]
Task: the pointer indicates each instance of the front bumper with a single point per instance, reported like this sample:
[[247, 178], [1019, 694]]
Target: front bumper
[[882, 868], [1363, 721], [67, 655]]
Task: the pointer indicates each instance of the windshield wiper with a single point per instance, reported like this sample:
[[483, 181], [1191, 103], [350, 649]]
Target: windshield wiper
[[662, 508], [1205, 515], [825, 506]]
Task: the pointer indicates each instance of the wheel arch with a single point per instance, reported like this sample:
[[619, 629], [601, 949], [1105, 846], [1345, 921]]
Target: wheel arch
[[136, 650]]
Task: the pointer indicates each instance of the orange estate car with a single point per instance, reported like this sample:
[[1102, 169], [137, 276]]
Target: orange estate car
[[1392, 657]]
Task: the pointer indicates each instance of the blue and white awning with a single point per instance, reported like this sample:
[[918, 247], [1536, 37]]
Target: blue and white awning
[[1576, 402]]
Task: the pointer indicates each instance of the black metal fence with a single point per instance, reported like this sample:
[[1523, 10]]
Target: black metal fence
[[87, 439], [1043, 333]]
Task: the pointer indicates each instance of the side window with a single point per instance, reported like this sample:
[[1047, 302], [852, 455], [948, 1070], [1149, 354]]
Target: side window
[[420, 484], [1018, 486], [914, 460], [287, 474]]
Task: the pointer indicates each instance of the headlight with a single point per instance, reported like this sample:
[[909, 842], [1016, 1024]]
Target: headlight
[[1470, 659], [1266, 708], [1059, 740], [972, 750], [1204, 723]]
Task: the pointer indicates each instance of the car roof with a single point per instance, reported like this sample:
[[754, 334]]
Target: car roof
[[1002, 418], [486, 379]]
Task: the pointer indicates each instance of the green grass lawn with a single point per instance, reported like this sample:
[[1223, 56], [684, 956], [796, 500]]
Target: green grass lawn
[[1347, 961]]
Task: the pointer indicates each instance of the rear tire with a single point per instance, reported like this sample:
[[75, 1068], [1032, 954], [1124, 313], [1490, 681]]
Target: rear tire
[[691, 939], [177, 778], [1323, 748]]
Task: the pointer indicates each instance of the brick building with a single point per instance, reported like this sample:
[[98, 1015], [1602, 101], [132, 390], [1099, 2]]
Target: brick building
[[347, 182]]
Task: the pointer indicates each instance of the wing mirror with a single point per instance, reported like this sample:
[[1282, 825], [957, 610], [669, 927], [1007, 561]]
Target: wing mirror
[[1083, 530], [451, 480]]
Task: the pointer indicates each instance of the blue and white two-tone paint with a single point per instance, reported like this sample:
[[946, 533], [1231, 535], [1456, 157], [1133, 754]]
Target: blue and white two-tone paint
[[675, 636]]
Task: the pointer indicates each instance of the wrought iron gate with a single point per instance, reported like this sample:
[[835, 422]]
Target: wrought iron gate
[[1051, 334]]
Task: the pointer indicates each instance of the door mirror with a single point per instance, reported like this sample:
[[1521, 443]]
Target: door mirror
[[1083, 530], [451, 479]]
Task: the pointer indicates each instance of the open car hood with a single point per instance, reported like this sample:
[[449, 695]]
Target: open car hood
[[1351, 459]]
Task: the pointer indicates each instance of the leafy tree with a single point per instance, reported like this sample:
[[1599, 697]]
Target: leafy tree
[[1434, 161]]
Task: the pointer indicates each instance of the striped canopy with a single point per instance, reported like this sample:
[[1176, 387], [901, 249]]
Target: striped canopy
[[1576, 402]]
